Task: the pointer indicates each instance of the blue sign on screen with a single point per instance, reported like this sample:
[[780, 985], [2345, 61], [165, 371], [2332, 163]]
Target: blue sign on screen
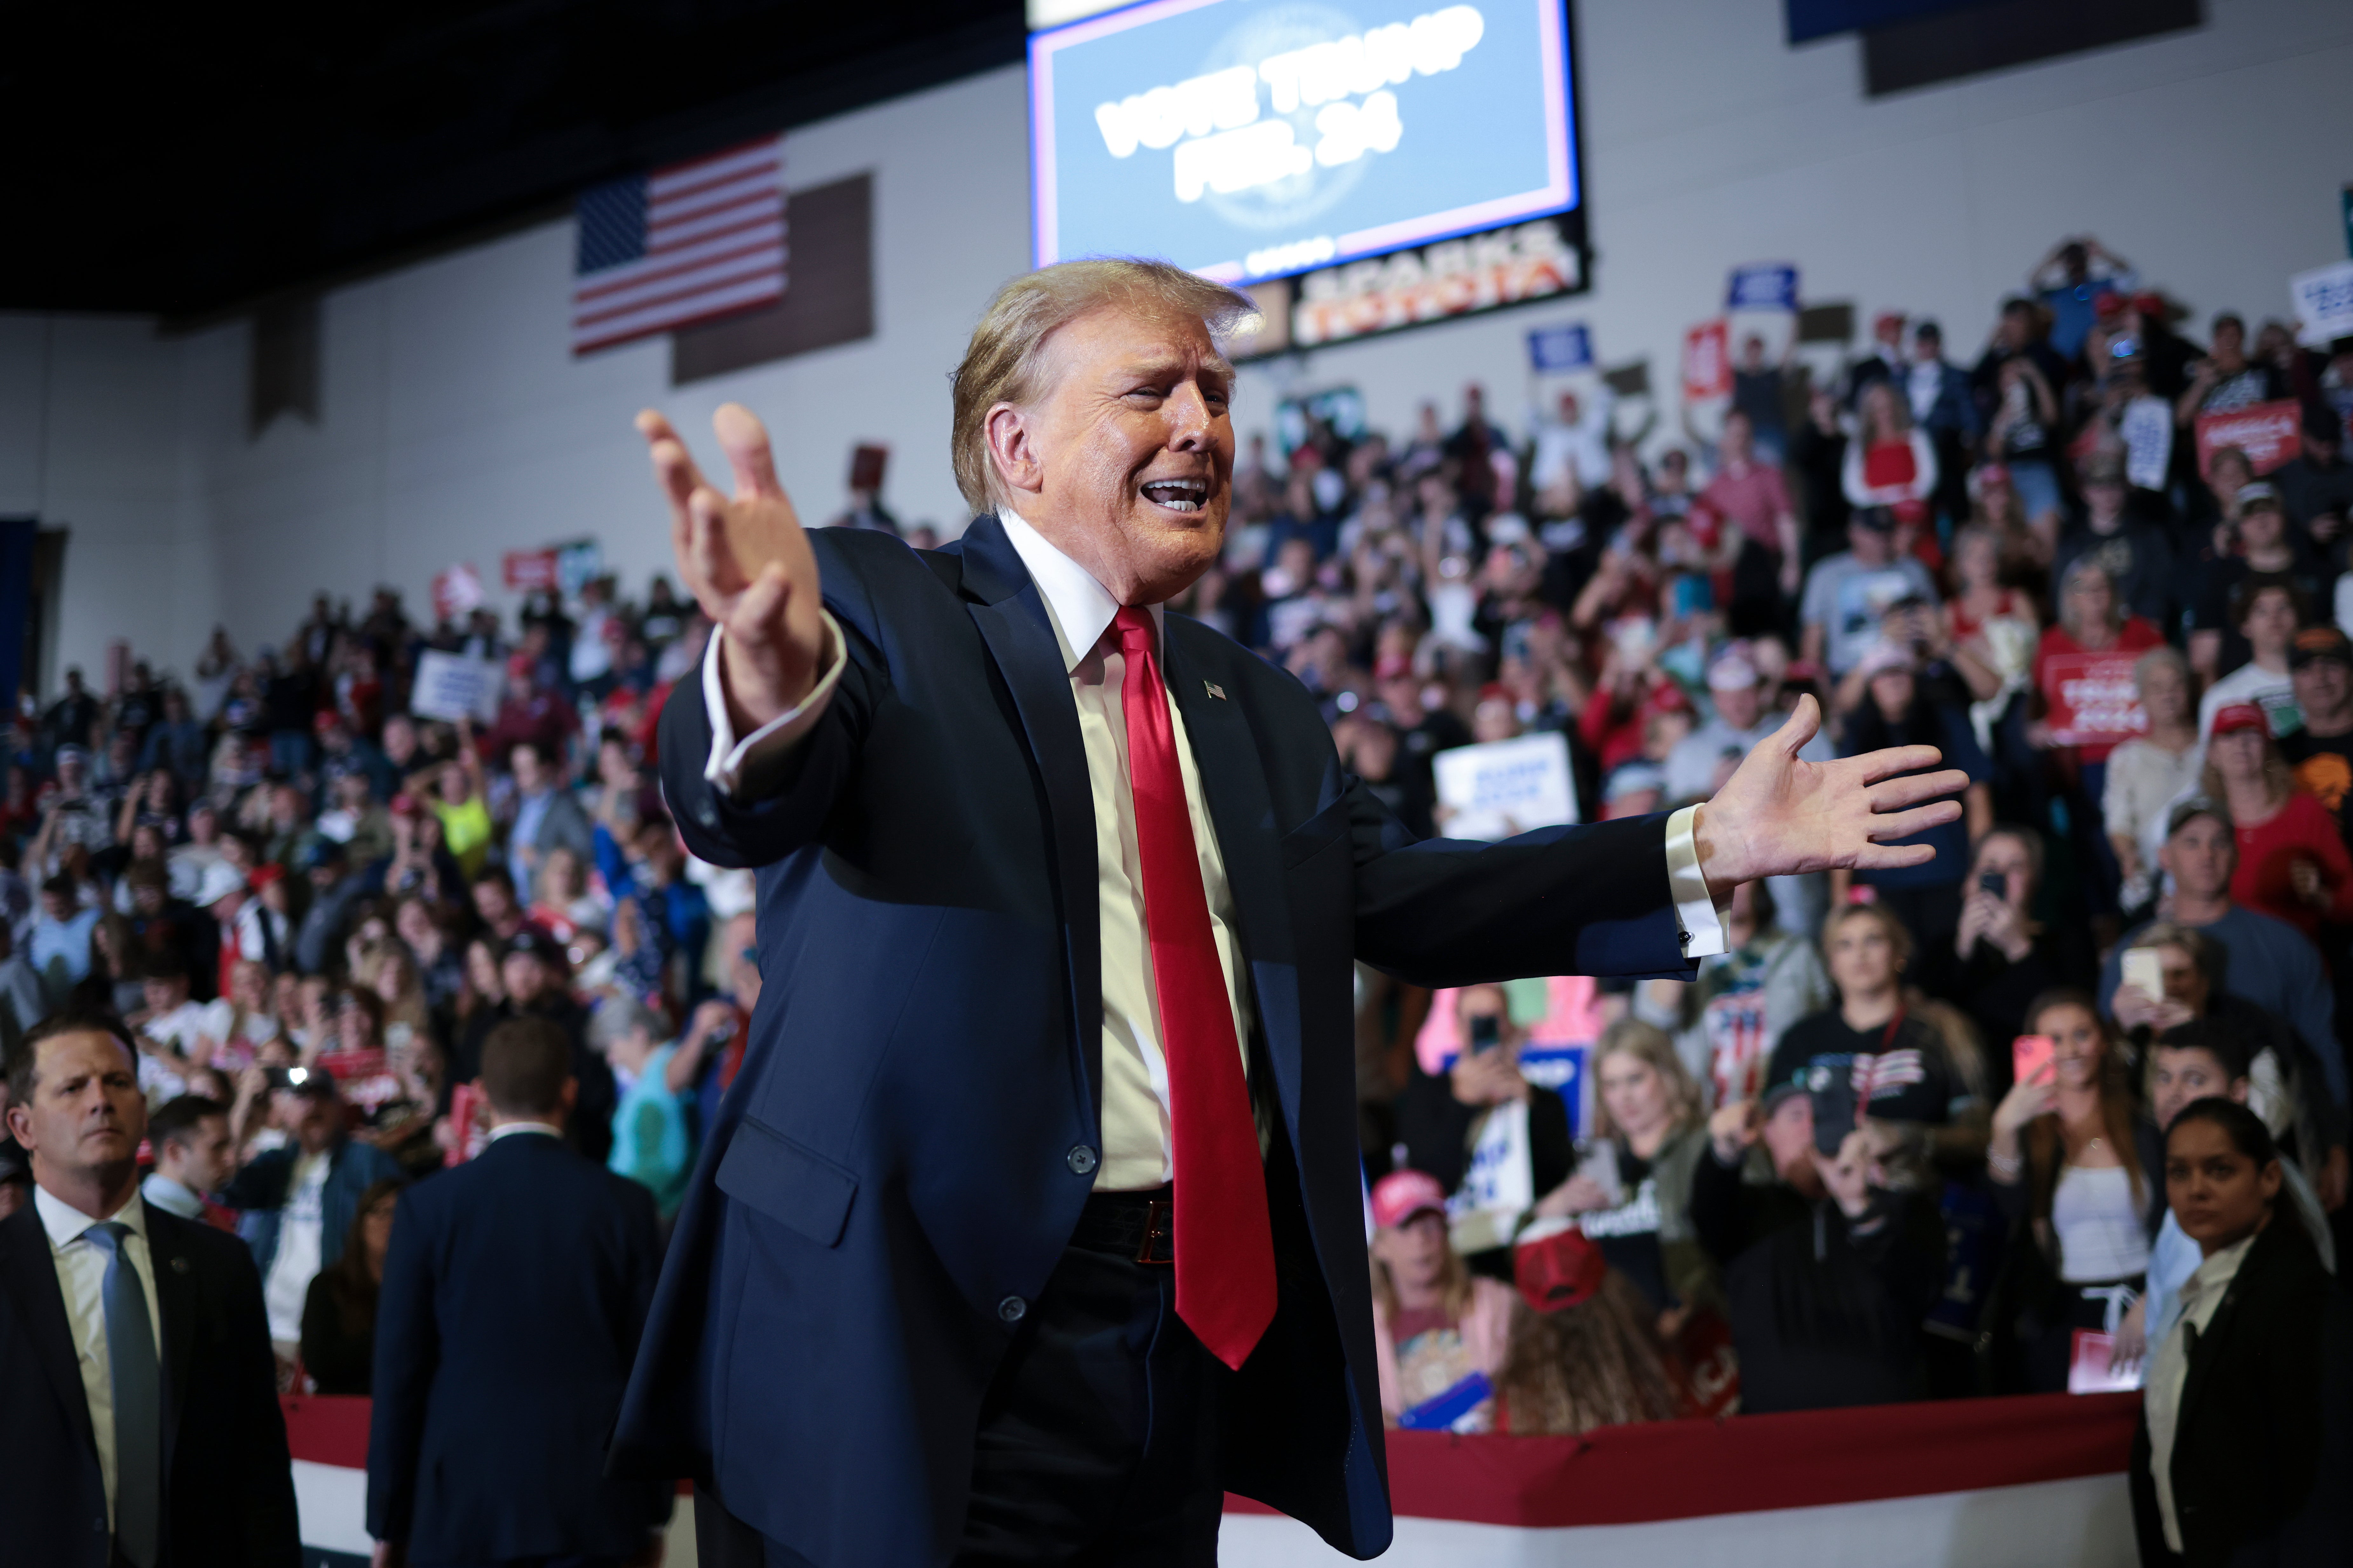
[[1249, 139]]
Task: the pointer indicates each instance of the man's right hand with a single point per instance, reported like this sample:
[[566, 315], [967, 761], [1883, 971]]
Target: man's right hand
[[748, 565]]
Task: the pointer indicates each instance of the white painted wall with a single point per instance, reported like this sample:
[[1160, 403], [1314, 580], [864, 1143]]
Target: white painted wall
[[456, 424]]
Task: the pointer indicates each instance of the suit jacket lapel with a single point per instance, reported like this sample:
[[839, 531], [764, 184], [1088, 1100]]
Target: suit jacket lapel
[[1012, 620], [29, 1275], [1234, 787], [175, 1299]]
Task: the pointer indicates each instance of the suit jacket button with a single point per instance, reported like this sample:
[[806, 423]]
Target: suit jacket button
[[1012, 1308], [1080, 1160]]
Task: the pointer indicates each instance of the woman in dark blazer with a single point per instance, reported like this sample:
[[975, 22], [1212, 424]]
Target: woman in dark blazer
[[2243, 1407]]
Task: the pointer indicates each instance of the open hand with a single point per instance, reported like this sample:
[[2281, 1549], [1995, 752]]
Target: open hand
[[747, 564], [1780, 816]]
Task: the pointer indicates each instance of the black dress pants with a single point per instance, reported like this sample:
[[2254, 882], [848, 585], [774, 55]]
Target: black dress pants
[[1098, 1440]]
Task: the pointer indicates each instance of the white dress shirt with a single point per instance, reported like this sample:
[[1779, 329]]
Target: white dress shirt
[[1136, 1147], [172, 1197], [508, 1129], [81, 1276], [2171, 1371]]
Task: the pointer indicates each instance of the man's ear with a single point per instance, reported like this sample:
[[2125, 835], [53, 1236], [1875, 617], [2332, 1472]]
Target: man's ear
[[570, 1099], [1013, 450], [20, 1123]]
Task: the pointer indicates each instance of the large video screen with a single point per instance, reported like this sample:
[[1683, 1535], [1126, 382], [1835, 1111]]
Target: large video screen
[[1255, 139]]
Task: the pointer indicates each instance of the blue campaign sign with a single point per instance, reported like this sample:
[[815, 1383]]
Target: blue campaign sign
[[1771, 286], [1569, 347], [1251, 139]]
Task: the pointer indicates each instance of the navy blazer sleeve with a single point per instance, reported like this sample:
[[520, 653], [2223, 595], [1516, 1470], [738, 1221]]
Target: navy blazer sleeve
[[1579, 899], [408, 1349], [795, 803]]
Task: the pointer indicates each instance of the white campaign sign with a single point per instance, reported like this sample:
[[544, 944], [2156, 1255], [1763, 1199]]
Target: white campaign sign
[[1506, 787], [452, 686], [2323, 302]]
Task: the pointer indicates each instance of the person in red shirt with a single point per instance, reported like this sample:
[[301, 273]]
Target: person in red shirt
[[2292, 861], [2091, 620], [1755, 497]]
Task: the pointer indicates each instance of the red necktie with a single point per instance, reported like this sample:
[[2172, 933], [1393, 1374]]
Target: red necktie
[[1225, 1250]]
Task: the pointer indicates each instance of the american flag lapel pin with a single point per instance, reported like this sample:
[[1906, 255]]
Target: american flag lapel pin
[[1214, 689]]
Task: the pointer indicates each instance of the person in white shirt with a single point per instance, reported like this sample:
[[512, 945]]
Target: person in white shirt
[[2226, 1465], [2266, 612], [142, 1425], [194, 1156]]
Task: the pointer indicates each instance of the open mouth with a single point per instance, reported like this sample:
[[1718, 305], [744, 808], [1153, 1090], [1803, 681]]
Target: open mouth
[[1177, 495]]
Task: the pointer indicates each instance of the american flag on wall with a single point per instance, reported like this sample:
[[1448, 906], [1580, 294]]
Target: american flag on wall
[[683, 244]]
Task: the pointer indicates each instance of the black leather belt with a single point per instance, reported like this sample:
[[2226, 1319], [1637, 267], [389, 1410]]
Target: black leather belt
[[1138, 1225]]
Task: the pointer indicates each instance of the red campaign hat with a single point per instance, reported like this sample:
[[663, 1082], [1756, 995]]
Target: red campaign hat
[[269, 871], [2239, 716], [2109, 306], [1401, 1194], [1910, 511], [1557, 1267], [1666, 698]]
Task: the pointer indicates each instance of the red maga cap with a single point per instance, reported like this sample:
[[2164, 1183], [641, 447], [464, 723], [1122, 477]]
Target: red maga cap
[[1401, 1194], [1557, 1267]]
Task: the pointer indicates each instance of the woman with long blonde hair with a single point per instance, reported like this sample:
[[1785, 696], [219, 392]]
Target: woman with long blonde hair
[[1631, 1192], [1438, 1330]]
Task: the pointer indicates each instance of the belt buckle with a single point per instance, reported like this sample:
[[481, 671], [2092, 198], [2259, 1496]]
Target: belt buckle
[[1159, 1227]]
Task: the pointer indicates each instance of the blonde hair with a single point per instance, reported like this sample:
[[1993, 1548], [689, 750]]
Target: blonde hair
[[1650, 1045], [1002, 362]]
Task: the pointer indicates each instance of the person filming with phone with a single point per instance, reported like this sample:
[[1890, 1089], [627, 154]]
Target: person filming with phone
[[2065, 1166], [1472, 1122]]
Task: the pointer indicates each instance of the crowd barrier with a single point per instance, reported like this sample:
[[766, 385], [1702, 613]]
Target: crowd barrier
[[2034, 1480]]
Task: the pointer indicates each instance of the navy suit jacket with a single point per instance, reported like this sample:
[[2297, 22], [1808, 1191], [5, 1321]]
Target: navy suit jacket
[[905, 1151], [513, 1296], [229, 1493]]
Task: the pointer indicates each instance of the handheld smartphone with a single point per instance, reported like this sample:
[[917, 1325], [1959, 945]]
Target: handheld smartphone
[[2030, 1059], [2143, 968], [1486, 1032], [1994, 882]]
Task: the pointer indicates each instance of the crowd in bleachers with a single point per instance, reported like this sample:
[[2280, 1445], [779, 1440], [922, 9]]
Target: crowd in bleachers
[[1830, 1171]]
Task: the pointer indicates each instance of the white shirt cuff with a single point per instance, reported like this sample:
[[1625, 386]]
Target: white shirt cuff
[[730, 757], [1695, 912]]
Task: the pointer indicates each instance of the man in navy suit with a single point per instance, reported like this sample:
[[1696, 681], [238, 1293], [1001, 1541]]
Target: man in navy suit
[[513, 1296], [1032, 1220], [139, 1419]]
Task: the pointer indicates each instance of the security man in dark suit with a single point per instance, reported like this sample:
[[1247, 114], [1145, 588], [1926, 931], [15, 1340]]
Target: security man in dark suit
[[139, 1418], [1033, 1220], [513, 1296]]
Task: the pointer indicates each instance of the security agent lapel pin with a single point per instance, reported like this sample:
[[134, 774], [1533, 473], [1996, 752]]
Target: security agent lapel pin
[[1214, 689]]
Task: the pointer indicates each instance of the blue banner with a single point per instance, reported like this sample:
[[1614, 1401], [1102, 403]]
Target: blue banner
[[1767, 286], [1569, 347], [1440, 1412]]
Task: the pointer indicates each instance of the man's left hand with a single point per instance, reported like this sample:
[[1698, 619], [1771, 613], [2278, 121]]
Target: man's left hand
[[1781, 817]]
